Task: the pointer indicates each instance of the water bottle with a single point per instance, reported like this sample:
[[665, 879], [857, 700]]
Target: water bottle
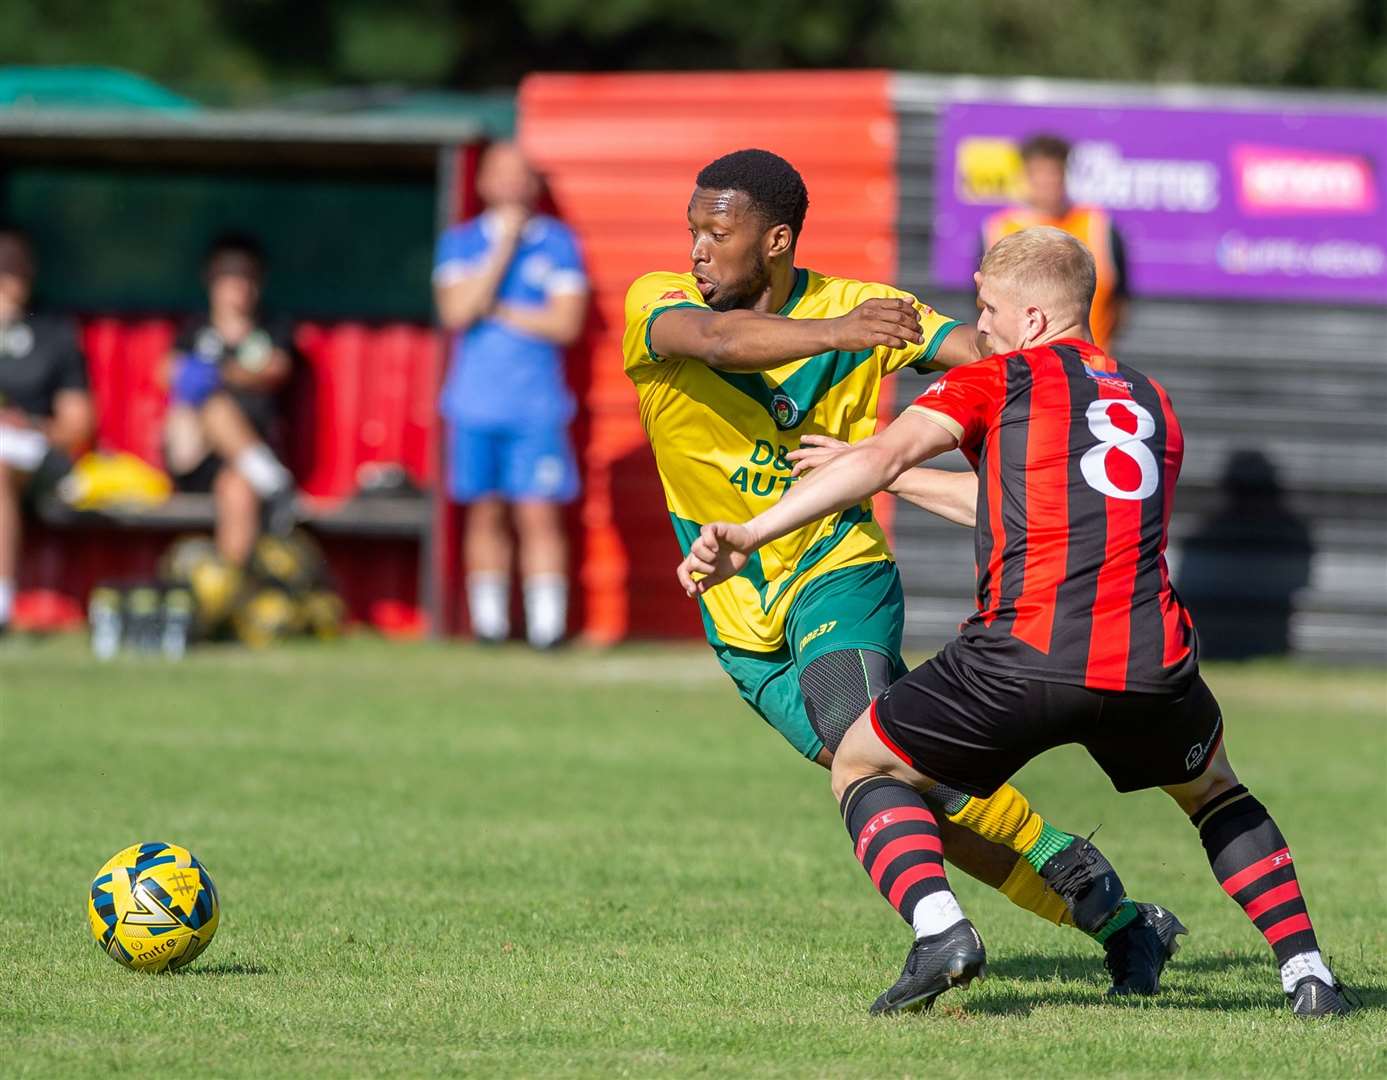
[[177, 622], [104, 618], [142, 619]]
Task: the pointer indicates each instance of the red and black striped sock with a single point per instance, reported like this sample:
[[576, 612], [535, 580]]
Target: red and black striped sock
[[1250, 858], [896, 839]]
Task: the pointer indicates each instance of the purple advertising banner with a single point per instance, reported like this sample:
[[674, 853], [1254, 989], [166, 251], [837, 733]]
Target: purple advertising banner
[[1259, 204]]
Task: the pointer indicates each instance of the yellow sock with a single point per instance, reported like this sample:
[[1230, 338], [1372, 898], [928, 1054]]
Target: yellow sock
[[1005, 818], [1024, 888]]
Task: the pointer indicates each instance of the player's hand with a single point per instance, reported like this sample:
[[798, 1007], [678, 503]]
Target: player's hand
[[891, 322], [511, 218], [814, 450], [720, 552], [11, 417]]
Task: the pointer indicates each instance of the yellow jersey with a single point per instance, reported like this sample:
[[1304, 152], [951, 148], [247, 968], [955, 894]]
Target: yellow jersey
[[720, 440]]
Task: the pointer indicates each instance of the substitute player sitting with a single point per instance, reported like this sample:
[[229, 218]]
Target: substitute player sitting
[[733, 363], [46, 411], [1078, 637], [226, 373]]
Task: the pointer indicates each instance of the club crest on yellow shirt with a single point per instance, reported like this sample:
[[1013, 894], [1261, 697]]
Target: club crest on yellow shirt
[[784, 412]]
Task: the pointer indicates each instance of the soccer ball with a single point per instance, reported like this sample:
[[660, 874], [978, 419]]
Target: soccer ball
[[193, 562], [153, 907]]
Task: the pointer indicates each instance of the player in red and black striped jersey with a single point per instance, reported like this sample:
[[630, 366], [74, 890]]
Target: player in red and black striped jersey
[[1078, 637], [1076, 457]]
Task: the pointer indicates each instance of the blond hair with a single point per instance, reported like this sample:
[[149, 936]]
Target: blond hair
[[1044, 265]]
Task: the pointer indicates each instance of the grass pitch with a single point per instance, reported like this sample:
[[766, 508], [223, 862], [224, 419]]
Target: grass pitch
[[439, 860]]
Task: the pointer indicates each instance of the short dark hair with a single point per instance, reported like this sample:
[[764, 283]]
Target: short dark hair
[[1050, 147], [774, 186], [235, 243]]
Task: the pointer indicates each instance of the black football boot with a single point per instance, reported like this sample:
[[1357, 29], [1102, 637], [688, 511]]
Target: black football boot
[[934, 964], [1137, 954]]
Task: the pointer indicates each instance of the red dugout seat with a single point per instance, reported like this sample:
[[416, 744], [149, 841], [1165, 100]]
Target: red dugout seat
[[362, 394], [369, 396], [124, 360]]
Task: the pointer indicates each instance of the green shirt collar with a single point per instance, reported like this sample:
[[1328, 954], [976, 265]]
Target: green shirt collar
[[801, 283]]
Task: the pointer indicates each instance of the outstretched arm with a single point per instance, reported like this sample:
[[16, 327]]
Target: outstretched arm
[[722, 549], [754, 341], [951, 495], [962, 346]]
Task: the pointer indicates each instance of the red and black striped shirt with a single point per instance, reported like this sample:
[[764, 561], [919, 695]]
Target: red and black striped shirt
[[1077, 458]]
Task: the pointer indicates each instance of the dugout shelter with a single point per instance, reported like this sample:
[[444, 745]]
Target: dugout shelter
[[123, 184]]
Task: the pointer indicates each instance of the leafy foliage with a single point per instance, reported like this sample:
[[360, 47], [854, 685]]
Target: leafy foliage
[[250, 50]]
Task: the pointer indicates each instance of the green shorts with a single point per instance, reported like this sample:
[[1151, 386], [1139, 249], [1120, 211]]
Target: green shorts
[[861, 607]]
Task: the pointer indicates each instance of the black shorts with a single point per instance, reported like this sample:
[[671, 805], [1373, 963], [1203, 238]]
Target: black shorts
[[971, 728], [261, 412], [199, 480]]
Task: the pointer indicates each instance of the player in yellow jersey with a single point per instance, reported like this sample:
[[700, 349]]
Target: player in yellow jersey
[[733, 363]]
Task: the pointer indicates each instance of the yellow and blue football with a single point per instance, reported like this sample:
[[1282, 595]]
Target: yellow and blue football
[[153, 907]]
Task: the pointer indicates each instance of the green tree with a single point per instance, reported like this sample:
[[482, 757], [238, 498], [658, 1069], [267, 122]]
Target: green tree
[[246, 51], [1255, 42]]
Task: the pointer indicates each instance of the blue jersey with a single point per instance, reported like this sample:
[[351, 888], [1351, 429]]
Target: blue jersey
[[500, 376]]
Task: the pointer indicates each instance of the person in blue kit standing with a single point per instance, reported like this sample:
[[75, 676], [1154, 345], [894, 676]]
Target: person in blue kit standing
[[510, 284]]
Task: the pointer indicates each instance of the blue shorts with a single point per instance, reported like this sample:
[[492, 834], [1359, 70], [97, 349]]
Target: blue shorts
[[517, 464]]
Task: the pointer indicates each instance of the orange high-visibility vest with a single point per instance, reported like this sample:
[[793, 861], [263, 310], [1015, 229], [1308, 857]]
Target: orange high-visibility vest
[[1092, 226]]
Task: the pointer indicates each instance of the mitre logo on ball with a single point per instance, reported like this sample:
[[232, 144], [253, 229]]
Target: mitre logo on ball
[[153, 907]]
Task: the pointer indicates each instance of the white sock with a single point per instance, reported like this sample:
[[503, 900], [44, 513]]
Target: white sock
[[546, 609], [1301, 965], [262, 470], [488, 604], [6, 600], [936, 913]]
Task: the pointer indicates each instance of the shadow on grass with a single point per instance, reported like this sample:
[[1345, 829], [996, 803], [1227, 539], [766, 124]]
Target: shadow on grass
[[1084, 967], [1256, 966], [1080, 968], [226, 967], [1020, 1001]]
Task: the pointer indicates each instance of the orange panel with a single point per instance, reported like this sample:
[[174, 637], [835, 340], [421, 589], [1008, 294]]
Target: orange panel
[[621, 153]]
